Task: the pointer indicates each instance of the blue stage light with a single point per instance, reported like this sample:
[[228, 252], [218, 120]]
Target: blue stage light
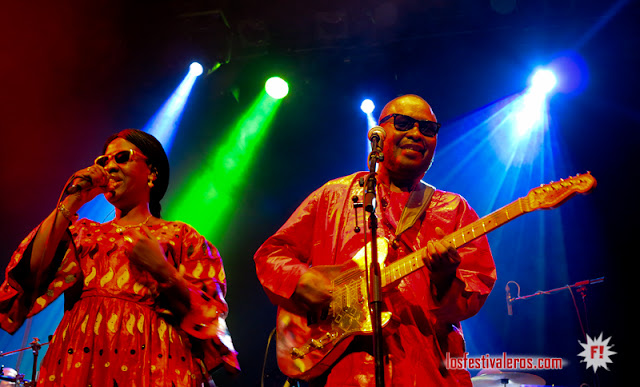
[[165, 122], [543, 81]]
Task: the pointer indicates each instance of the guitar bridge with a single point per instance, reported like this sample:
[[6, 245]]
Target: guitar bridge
[[313, 344]]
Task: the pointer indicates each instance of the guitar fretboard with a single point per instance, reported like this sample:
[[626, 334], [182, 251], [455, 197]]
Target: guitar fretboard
[[458, 238]]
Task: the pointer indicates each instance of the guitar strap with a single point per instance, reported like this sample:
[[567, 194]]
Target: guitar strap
[[416, 206]]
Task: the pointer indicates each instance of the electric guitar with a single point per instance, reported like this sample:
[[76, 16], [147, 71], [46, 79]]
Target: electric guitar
[[306, 348]]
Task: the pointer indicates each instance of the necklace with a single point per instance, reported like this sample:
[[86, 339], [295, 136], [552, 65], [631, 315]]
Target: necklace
[[120, 229]]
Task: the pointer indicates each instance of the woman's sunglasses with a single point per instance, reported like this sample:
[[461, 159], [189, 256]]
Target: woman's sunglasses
[[404, 123], [121, 157]]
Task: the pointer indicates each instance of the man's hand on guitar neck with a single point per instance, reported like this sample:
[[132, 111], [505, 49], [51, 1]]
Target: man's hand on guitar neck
[[442, 261]]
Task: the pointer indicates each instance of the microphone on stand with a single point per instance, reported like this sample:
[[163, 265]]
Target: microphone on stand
[[509, 307], [376, 136]]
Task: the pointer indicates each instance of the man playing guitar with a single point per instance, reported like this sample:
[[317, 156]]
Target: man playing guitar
[[308, 269]]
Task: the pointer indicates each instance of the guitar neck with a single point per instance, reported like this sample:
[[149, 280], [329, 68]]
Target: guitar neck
[[458, 238], [487, 223]]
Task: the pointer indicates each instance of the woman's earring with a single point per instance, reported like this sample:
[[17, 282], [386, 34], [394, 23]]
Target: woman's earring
[[152, 177]]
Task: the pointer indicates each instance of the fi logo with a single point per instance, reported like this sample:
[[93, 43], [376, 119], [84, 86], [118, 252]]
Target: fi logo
[[596, 352]]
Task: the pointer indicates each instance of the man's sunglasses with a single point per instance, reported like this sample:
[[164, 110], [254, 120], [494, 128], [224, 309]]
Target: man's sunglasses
[[404, 123], [121, 157]]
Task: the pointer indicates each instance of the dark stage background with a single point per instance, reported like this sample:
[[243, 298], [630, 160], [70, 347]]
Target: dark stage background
[[73, 72]]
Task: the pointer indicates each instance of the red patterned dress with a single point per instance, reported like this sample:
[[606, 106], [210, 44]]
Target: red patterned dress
[[117, 329]]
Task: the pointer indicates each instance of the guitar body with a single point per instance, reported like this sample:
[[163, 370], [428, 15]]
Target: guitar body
[[293, 332], [307, 346]]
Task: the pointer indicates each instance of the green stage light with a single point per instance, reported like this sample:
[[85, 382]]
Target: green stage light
[[276, 87], [208, 200]]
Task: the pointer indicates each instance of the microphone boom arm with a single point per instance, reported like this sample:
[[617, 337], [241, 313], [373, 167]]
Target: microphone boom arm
[[579, 285]]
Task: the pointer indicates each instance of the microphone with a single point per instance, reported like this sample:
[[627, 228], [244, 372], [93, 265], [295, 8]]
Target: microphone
[[509, 308], [83, 183], [376, 136]]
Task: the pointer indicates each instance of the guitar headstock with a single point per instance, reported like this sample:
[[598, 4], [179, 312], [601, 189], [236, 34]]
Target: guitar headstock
[[553, 194]]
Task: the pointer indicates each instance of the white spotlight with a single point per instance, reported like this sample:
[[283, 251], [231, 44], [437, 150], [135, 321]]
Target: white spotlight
[[367, 106], [196, 68], [543, 81], [276, 87]]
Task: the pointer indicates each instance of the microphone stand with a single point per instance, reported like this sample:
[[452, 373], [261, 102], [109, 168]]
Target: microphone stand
[[580, 285], [35, 347], [375, 296]]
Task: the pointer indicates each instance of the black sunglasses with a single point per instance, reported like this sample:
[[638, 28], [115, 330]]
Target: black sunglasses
[[119, 157], [404, 123]]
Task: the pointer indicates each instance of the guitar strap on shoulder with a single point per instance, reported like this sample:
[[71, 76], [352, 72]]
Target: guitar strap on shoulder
[[416, 206]]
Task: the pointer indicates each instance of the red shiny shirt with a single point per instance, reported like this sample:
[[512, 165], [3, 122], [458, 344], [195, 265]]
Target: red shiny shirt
[[423, 327]]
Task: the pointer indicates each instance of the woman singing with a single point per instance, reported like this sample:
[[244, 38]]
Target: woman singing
[[144, 297]]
